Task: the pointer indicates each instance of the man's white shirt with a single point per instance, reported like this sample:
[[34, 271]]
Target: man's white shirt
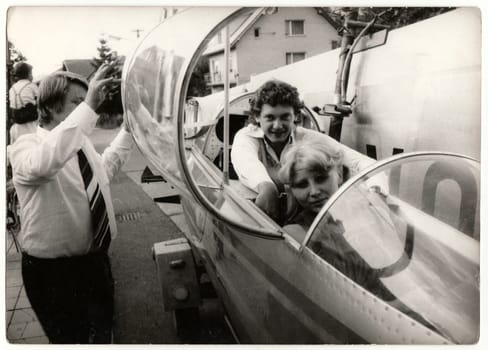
[[55, 213]]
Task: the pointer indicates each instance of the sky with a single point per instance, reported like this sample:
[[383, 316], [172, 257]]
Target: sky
[[49, 35]]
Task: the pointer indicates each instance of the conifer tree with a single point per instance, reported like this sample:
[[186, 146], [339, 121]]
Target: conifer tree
[[111, 107], [104, 53]]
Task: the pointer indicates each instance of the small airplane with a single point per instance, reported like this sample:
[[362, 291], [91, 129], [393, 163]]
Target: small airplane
[[398, 264]]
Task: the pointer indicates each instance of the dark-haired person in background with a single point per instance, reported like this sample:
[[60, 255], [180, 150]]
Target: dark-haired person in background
[[258, 148], [23, 101], [67, 215]]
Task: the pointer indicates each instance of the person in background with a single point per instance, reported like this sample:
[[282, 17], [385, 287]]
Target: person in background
[[23, 102], [312, 173], [67, 216], [258, 148]]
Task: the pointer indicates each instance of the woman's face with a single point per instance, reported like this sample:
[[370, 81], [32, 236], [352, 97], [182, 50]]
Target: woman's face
[[312, 188]]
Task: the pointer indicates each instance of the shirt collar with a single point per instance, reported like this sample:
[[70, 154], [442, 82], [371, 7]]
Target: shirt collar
[[255, 131], [42, 132]]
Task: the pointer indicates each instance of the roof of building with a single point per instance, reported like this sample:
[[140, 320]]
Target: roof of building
[[83, 67], [250, 21], [238, 33]]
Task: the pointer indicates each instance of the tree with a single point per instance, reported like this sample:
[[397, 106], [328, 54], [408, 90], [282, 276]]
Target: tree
[[13, 56], [395, 17], [104, 53], [198, 85], [111, 108]]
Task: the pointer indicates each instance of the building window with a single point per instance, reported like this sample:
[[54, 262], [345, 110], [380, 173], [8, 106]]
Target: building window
[[257, 32], [219, 37], [334, 44], [292, 57], [215, 66], [294, 27], [215, 70]]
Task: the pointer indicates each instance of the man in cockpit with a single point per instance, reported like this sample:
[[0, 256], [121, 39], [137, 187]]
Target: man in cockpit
[[257, 149]]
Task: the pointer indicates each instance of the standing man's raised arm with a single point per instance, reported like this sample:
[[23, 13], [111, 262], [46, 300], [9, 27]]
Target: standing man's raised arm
[[117, 153], [36, 159]]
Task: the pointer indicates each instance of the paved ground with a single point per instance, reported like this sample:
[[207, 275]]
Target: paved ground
[[139, 317], [21, 322]]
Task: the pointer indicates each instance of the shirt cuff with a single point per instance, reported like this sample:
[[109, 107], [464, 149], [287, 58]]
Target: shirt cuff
[[123, 138], [83, 117]]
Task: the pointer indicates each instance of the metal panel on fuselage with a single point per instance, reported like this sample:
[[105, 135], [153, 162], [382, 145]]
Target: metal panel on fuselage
[[274, 294], [259, 289], [265, 304]]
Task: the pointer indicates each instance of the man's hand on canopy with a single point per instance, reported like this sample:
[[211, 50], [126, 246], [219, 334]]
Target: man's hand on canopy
[[268, 199], [101, 84]]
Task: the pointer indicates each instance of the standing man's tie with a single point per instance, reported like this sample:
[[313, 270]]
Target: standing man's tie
[[100, 222]]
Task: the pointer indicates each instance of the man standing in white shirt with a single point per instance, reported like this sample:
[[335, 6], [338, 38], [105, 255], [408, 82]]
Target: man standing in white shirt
[[66, 211], [257, 149], [22, 101]]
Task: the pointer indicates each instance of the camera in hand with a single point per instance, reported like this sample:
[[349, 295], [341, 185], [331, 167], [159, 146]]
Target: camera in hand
[[111, 110], [112, 105]]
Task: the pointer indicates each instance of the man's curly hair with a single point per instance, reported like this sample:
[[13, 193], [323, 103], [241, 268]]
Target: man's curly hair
[[275, 92]]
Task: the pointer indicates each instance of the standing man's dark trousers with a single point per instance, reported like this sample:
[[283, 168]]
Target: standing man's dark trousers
[[72, 297]]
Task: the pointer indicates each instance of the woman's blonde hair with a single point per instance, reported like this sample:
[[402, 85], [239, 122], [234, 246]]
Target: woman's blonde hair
[[314, 156]]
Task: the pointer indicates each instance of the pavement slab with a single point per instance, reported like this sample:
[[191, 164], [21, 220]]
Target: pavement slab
[[33, 330], [23, 316], [36, 340], [13, 292], [15, 332], [14, 278]]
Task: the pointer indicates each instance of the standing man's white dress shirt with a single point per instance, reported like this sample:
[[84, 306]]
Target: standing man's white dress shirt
[[55, 215], [17, 130]]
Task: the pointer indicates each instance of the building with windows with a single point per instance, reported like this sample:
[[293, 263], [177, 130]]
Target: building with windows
[[269, 38]]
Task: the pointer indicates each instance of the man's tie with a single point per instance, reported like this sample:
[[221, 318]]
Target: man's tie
[[100, 223]]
